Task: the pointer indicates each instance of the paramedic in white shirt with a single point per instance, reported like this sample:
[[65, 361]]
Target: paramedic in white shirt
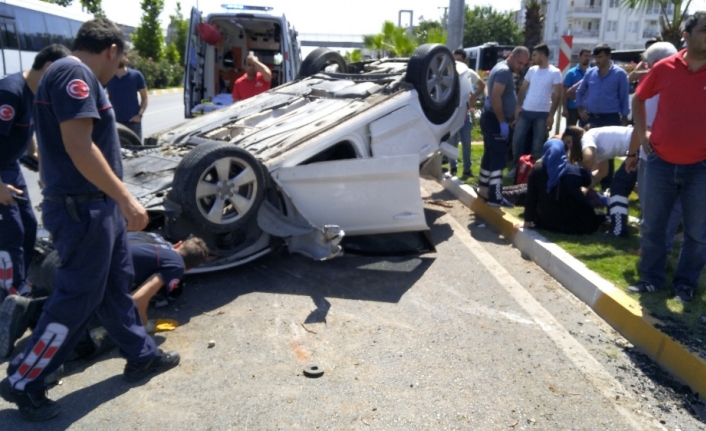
[[537, 102], [464, 134]]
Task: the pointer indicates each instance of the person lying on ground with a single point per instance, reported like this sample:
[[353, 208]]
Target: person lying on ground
[[555, 199], [159, 267]]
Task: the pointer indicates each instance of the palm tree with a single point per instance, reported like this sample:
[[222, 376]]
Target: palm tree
[[670, 18], [392, 40], [534, 21], [376, 43], [353, 56]]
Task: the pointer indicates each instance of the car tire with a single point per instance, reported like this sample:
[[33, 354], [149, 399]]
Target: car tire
[[432, 72], [319, 59], [127, 137], [217, 175]]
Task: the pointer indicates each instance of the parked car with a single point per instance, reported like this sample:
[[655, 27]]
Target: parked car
[[336, 152]]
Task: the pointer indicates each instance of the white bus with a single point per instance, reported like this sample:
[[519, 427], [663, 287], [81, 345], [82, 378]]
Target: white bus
[[27, 26]]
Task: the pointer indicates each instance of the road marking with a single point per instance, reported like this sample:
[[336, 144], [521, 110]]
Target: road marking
[[589, 366]]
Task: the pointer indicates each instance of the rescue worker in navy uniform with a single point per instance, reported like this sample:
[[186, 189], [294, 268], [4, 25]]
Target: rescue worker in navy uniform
[[87, 210], [17, 222], [159, 267]]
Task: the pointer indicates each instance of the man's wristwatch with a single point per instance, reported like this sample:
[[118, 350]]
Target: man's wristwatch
[[627, 154]]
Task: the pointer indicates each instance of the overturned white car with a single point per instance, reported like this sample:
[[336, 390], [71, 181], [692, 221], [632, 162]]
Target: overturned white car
[[301, 164]]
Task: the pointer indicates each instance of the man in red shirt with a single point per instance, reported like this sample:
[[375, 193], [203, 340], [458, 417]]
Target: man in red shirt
[[676, 162], [255, 81]]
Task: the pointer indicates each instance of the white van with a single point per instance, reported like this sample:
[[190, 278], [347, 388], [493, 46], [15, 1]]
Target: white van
[[212, 69], [486, 56]]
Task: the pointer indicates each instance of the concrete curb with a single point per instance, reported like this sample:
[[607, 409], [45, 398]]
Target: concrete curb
[[165, 91], [621, 311]]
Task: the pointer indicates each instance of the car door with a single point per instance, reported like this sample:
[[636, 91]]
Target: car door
[[193, 65], [362, 196]]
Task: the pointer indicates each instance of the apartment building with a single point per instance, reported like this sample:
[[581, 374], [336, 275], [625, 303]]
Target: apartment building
[[591, 22]]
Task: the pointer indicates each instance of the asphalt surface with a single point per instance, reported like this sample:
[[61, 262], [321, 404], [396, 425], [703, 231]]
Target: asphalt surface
[[470, 337]]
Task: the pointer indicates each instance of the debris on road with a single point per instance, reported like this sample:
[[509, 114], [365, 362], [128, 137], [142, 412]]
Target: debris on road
[[211, 344], [313, 371]]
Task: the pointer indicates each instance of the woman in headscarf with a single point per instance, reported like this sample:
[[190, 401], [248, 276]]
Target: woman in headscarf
[[555, 200]]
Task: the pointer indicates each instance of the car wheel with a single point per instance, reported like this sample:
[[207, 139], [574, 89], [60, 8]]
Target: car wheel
[[127, 137], [432, 72], [320, 60], [219, 186]]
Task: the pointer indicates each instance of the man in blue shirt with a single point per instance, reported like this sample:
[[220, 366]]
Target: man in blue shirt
[[17, 221], [87, 210], [122, 91], [573, 76], [603, 96]]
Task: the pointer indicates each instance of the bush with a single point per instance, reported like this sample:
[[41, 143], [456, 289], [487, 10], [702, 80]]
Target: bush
[[158, 74]]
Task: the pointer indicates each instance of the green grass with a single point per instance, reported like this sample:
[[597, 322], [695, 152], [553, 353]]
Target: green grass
[[616, 260]]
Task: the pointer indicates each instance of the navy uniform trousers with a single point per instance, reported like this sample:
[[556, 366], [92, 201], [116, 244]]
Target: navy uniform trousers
[[494, 153], [94, 276], [621, 186], [18, 227]]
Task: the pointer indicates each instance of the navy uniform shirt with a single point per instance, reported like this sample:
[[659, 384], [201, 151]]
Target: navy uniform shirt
[[16, 127], [152, 254], [123, 94], [69, 90]]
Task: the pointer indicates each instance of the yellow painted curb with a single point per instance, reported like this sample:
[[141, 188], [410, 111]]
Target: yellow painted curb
[[618, 309]]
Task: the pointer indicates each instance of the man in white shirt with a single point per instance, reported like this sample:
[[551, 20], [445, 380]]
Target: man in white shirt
[[464, 134], [601, 144], [537, 102]]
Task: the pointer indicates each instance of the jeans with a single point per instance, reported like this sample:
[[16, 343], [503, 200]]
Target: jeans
[[667, 183], [674, 217], [573, 117], [464, 135], [538, 122]]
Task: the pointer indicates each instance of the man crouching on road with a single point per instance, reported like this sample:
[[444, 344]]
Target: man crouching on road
[[159, 267], [87, 210]]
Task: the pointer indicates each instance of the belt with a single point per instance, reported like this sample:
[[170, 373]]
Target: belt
[[79, 199], [70, 202]]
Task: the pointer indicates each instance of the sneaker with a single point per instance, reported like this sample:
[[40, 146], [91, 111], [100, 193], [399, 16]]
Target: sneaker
[[501, 203], [33, 406], [13, 322], [468, 174], [641, 287], [683, 293], [162, 362], [453, 172], [511, 173]]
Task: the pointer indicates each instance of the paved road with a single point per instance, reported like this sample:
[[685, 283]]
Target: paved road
[[470, 337], [164, 111]]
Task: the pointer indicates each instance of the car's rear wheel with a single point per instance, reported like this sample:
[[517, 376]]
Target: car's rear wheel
[[127, 137], [321, 60], [219, 186], [432, 72]]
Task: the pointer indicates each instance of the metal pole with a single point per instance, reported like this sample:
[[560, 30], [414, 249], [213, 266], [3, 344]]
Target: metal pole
[[410, 28], [457, 13]]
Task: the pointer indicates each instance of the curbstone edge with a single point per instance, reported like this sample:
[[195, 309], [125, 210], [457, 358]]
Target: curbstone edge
[[613, 305]]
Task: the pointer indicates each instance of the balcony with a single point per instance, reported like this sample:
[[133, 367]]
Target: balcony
[[585, 10], [583, 34]]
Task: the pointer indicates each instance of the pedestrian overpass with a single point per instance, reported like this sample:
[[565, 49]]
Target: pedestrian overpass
[[331, 40]]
